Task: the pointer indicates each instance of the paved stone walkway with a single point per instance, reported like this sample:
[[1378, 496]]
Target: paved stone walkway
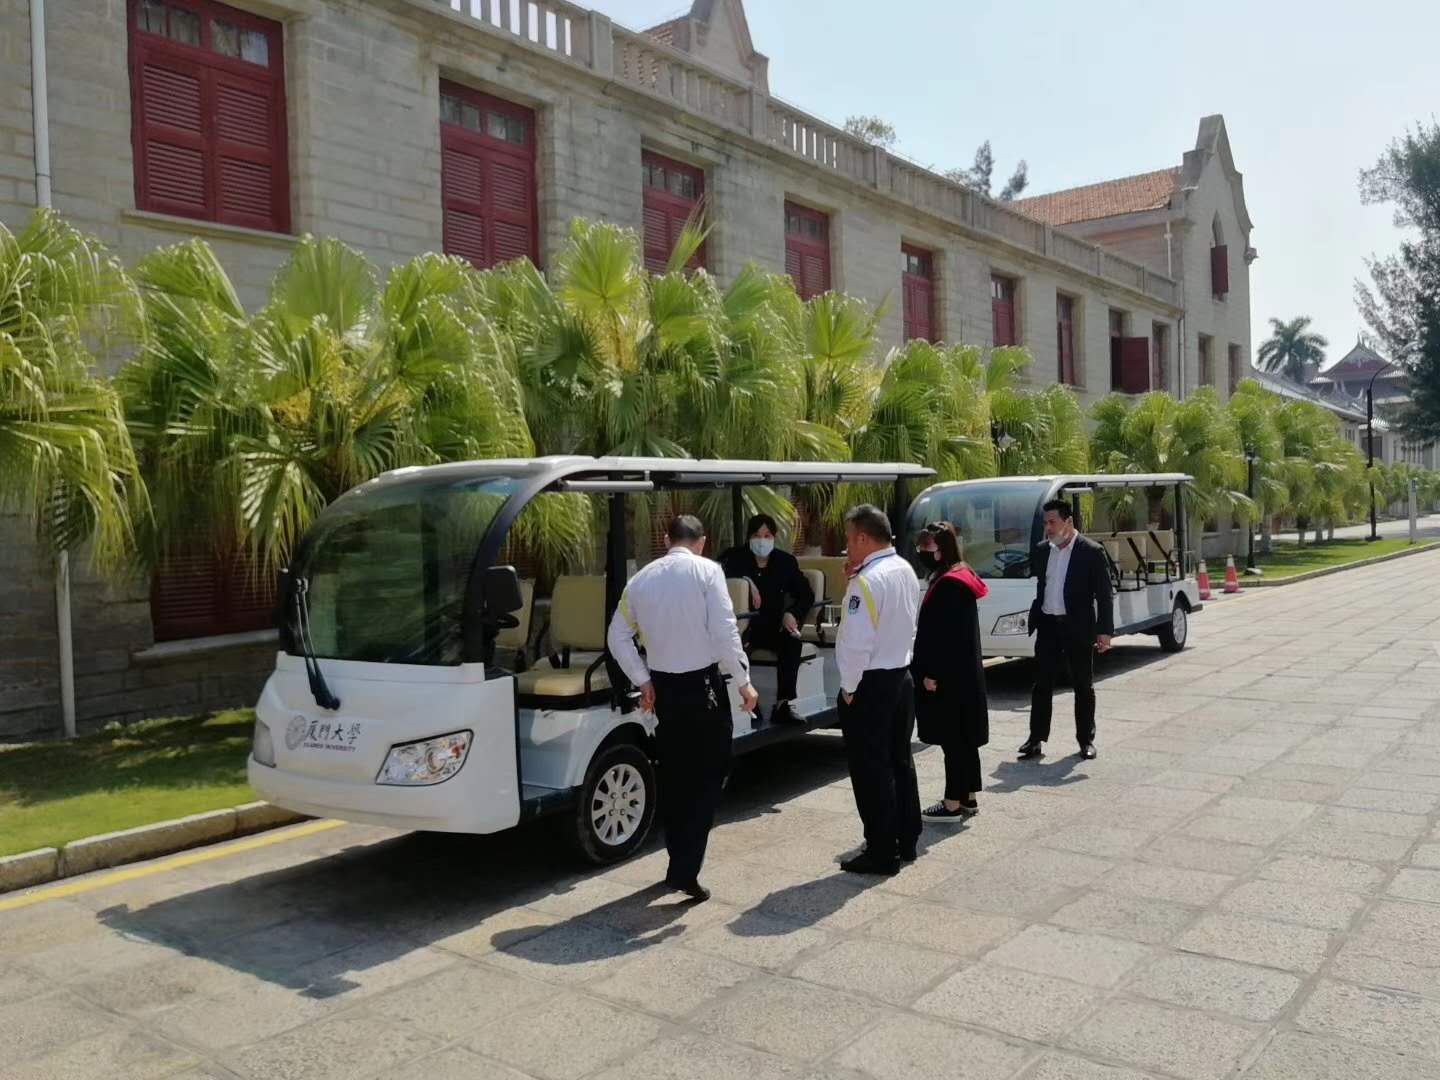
[[1246, 883]]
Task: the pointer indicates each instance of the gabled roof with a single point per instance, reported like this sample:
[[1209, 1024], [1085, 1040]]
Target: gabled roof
[[1109, 198], [1361, 360], [1340, 406]]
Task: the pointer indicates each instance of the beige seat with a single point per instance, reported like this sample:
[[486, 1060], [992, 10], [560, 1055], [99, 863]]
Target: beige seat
[[1163, 558], [834, 582], [1129, 554], [574, 675], [740, 598]]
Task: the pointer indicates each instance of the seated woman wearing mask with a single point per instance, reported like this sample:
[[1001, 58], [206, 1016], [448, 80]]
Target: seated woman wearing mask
[[781, 596], [950, 704]]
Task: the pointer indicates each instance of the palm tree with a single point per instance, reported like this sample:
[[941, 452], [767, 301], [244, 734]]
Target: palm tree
[[1292, 349], [1251, 410], [1159, 434], [248, 426], [66, 460]]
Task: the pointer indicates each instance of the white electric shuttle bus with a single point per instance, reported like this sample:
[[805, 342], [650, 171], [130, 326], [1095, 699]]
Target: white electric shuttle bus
[[388, 706], [1000, 520]]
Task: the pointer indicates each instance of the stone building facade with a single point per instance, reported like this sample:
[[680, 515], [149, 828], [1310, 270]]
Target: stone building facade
[[369, 120]]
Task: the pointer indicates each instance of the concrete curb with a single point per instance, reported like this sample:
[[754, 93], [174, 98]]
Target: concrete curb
[[29, 868], [1309, 575], [145, 842]]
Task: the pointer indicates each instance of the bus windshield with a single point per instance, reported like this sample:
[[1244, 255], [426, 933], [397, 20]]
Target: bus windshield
[[387, 569], [998, 522]]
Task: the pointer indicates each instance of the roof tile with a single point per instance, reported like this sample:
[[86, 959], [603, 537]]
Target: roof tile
[[1128, 195]]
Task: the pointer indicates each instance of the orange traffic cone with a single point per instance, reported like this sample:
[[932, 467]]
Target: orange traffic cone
[[1232, 579], [1204, 577]]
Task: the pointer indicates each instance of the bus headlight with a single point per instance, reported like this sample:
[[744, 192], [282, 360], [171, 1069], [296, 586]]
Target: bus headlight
[[1017, 622], [429, 761], [262, 749]]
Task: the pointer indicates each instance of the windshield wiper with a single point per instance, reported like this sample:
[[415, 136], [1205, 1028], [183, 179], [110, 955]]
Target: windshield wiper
[[319, 689]]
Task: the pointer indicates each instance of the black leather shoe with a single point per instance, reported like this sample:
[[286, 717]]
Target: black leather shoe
[[909, 852], [1031, 749], [783, 714], [865, 863], [692, 889], [1087, 751]]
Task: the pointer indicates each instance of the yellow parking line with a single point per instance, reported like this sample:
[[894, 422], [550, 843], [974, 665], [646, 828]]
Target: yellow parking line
[[175, 862]]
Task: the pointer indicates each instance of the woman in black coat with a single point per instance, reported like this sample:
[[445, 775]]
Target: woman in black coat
[[781, 598], [950, 704]]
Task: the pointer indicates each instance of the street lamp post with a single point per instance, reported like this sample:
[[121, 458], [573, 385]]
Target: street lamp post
[[1250, 459], [1370, 445]]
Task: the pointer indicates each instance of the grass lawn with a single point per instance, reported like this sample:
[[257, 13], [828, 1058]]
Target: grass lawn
[[55, 792], [1287, 559]]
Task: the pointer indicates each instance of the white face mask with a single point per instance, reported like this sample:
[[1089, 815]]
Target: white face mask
[[1058, 542], [762, 546]]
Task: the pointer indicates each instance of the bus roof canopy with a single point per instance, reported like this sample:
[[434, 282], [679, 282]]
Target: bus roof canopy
[[1068, 480], [662, 472]]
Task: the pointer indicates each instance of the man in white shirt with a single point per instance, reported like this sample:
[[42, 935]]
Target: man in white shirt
[[877, 698], [679, 609], [1072, 619]]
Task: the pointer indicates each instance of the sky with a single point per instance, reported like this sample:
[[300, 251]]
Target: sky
[[1311, 93]]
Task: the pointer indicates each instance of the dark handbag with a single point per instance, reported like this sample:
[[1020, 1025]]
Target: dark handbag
[[931, 721]]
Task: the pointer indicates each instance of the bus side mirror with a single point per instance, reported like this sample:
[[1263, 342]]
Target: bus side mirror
[[501, 591]]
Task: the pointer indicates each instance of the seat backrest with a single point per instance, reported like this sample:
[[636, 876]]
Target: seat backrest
[[739, 594], [517, 637], [577, 613], [832, 568], [1127, 559], [1162, 542], [816, 578]]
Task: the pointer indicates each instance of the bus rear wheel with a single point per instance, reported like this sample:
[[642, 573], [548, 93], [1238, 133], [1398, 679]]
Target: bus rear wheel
[[1173, 634], [616, 806]]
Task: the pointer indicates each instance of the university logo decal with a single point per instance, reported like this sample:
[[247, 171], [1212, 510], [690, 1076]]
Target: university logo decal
[[295, 733]]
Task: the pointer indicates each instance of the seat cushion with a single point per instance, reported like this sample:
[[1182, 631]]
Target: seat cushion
[[768, 658], [544, 686]]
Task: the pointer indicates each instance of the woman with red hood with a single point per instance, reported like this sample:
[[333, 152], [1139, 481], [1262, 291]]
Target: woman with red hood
[[950, 705]]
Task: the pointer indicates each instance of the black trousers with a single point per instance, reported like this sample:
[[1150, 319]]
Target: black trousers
[[962, 770], [786, 648], [877, 726], [1056, 644], [693, 735]]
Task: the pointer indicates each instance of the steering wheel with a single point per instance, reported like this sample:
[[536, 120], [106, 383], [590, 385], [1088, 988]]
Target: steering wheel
[[1008, 557]]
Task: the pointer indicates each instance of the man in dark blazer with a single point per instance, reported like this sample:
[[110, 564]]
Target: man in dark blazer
[[1072, 619]]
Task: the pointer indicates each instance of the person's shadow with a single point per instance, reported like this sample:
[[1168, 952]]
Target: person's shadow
[[1015, 775]]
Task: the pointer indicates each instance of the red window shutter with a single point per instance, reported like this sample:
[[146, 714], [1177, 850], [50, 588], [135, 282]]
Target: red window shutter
[[249, 153], [917, 290], [1065, 342], [672, 192], [208, 128], [196, 593], [807, 249], [487, 178], [1219, 270], [1003, 315], [1134, 353]]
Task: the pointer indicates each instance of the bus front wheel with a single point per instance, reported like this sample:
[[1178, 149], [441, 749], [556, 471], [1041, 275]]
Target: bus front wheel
[[616, 806]]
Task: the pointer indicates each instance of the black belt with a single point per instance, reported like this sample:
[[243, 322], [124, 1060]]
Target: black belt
[[685, 678]]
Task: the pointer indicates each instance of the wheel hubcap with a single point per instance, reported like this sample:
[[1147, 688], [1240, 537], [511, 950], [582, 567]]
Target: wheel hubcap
[[1178, 624], [618, 804]]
